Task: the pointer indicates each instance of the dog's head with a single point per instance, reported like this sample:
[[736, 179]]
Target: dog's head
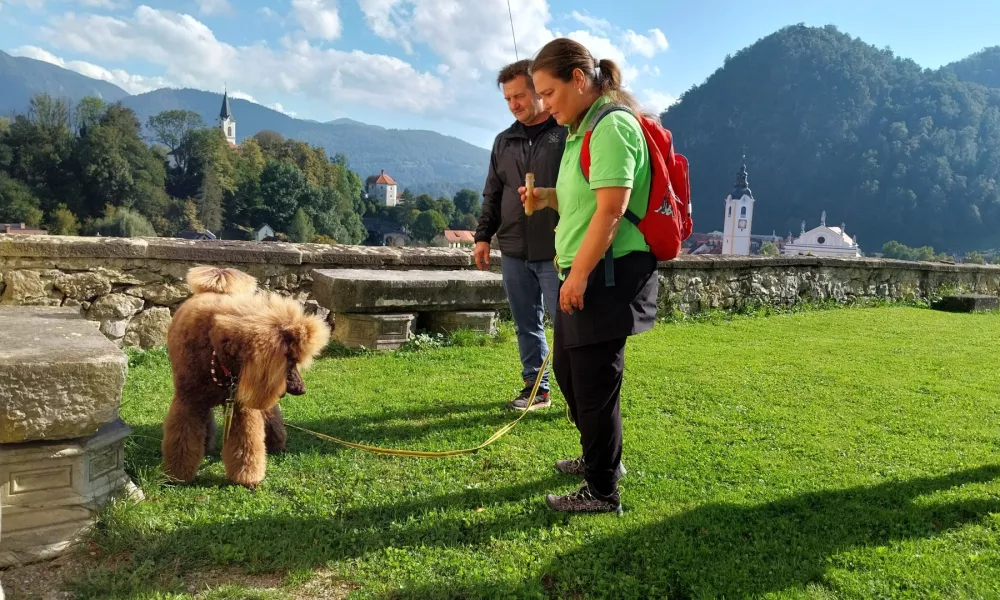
[[275, 341]]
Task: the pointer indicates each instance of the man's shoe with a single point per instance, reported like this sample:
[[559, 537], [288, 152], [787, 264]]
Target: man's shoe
[[521, 402], [586, 501], [575, 466]]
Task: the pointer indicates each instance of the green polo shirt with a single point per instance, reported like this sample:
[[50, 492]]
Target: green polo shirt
[[618, 158]]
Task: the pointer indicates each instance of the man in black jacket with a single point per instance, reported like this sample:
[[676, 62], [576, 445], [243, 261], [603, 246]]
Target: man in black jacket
[[533, 144]]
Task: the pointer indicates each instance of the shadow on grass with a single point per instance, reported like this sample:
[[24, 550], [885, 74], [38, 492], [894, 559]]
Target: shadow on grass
[[149, 564], [715, 550], [730, 550]]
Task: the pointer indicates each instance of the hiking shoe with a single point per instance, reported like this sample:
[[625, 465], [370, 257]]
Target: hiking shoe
[[575, 466], [521, 402], [586, 501]]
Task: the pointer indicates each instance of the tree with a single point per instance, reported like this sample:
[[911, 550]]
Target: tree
[[89, 111], [282, 184], [63, 222], [301, 230], [467, 202], [120, 222], [429, 224], [17, 203], [49, 112], [769, 249], [974, 258], [269, 140], [171, 128]]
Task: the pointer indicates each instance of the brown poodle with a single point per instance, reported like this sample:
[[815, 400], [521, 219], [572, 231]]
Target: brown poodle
[[228, 335]]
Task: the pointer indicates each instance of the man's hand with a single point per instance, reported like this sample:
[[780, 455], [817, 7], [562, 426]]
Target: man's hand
[[482, 255], [571, 292]]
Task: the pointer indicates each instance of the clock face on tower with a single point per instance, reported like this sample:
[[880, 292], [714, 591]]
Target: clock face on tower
[[743, 224]]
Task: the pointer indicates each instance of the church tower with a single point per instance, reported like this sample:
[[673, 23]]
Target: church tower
[[739, 216], [226, 120]]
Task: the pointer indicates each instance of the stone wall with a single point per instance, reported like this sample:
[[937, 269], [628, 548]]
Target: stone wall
[[130, 287]]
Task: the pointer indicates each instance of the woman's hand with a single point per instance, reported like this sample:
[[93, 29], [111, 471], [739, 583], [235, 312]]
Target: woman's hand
[[571, 292], [544, 198]]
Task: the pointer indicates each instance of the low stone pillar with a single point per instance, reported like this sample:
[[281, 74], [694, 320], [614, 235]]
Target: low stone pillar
[[483, 321], [373, 331], [61, 438]]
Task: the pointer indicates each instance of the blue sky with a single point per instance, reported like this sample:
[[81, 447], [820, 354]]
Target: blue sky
[[430, 64]]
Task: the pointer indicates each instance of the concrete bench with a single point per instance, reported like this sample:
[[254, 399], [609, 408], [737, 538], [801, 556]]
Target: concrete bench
[[61, 439], [382, 309], [967, 303]]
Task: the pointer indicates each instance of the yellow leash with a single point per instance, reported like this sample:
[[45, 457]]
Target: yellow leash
[[423, 454]]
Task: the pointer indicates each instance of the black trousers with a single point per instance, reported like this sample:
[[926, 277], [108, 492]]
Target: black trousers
[[590, 377], [588, 358]]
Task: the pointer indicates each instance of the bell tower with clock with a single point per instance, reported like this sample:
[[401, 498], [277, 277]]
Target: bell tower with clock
[[739, 216]]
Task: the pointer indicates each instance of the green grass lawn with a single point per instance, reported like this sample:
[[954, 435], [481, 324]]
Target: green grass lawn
[[829, 454]]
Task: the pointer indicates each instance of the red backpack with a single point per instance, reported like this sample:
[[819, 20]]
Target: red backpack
[[667, 222]]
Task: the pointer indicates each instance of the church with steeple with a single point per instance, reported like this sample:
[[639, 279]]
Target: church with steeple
[[739, 215], [226, 120]]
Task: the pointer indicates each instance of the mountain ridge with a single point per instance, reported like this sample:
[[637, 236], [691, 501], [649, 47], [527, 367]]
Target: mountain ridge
[[423, 161]]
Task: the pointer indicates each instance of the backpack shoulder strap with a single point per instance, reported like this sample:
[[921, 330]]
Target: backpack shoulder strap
[[609, 265], [598, 116]]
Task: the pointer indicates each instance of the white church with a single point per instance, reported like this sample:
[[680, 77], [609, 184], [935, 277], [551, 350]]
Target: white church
[[739, 216], [823, 241], [226, 123], [819, 241]]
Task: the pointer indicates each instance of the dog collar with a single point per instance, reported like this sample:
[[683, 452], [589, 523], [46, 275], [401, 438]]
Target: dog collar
[[225, 371]]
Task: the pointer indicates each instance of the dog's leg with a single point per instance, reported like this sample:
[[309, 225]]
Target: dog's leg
[[210, 434], [184, 433], [275, 436], [244, 453]]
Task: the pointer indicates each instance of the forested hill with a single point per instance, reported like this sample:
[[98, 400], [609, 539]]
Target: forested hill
[[832, 123]]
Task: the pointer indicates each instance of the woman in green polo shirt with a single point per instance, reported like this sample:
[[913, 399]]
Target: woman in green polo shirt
[[600, 305]]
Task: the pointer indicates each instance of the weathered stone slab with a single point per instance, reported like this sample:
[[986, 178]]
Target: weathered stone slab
[[223, 251], [483, 321], [373, 291], [968, 303], [59, 377], [50, 491], [59, 246], [374, 331]]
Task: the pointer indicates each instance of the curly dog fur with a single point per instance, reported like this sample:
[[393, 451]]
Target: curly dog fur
[[264, 340]]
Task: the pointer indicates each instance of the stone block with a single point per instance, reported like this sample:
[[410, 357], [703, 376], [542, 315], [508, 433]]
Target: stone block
[[148, 329], [374, 331], [483, 321], [374, 291], [51, 491], [60, 378], [67, 246], [223, 251], [968, 303]]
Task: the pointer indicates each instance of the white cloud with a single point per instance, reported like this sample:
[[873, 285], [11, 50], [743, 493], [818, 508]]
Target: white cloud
[[243, 96], [133, 84], [109, 4], [656, 101], [319, 18], [595, 24], [464, 35], [190, 55], [278, 107], [646, 45], [211, 7]]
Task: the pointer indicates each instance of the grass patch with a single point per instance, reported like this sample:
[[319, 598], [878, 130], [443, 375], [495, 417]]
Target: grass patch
[[822, 454]]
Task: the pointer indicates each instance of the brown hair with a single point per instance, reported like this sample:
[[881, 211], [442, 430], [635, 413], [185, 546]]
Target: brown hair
[[562, 56], [515, 70]]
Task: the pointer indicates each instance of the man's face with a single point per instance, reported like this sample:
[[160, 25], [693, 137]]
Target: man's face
[[521, 100]]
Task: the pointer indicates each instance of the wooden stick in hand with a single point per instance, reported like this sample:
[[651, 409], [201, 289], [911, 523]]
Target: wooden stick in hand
[[529, 193]]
